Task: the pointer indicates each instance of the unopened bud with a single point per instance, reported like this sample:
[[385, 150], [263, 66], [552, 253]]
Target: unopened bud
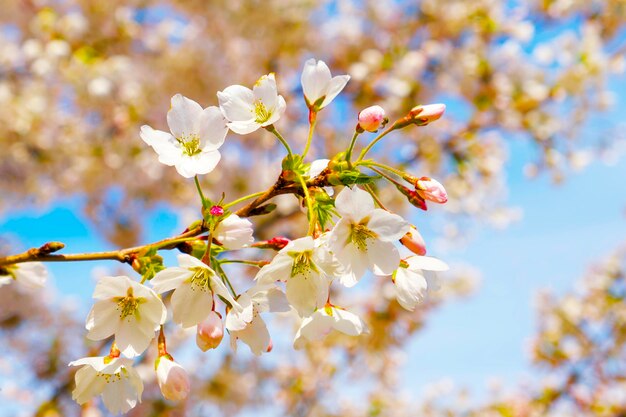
[[427, 114], [270, 346], [217, 211], [173, 379], [210, 332], [276, 243], [51, 247], [414, 241], [413, 197], [372, 118], [431, 190]]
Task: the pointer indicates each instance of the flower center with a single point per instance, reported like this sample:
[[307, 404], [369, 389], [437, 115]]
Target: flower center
[[201, 279], [261, 113], [190, 144], [302, 263], [112, 378], [359, 234], [129, 305]]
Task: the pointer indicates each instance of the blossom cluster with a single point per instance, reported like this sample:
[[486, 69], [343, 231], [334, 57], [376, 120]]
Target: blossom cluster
[[349, 234]]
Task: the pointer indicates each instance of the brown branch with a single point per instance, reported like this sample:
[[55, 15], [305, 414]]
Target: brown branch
[[44, 253]]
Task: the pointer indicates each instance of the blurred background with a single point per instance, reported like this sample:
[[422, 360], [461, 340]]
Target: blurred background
[[531, 319]]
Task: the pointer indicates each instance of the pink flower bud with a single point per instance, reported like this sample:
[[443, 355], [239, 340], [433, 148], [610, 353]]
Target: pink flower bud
[[431, 190], [217, 211], [371, 118], [210, 332], [428, 113], [173, 379], [414, 241], [278, 242]]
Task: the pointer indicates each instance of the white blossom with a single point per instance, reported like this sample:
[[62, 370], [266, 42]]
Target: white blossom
[[114, 379], [248, 325], [194, 285], [363, 238], [325, 319], [248, 110], [307, 267], [196, 136], [319, 86], [415, 278], [234, 232], [127, 309], [30, 275]]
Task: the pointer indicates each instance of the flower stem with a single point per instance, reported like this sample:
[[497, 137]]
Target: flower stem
[[206, 258], [204, 202], [161, 346], [312, 123], [241, 261], [309, 205], [373, 142], [244, 198], [224, 277], [375, 197], [385, 176], [352, 143], [282, 140], [379, 165]]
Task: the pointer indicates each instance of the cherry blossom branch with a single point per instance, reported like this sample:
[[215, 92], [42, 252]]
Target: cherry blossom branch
[[43, 254]]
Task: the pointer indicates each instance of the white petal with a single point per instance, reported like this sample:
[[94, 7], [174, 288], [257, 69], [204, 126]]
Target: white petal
[[133, 337], [354, 203], [383, 257], [110, 287], [212, 129], [335, 86], [315, 327], [277, 270], [355, 264], [122, 394], [169, 279], [188, 261], [163, 143], [315, 80], [102, 320], [183, 116], [191, 305], [236, 103], [88, 384], [244, 127], [306, 293], [347, 322], [411, 288], [265, 90], [317, 167], [272, 300], [5, 280], [426, 263], [387, 226], [238, 319], [255, 335], [199, 164]]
